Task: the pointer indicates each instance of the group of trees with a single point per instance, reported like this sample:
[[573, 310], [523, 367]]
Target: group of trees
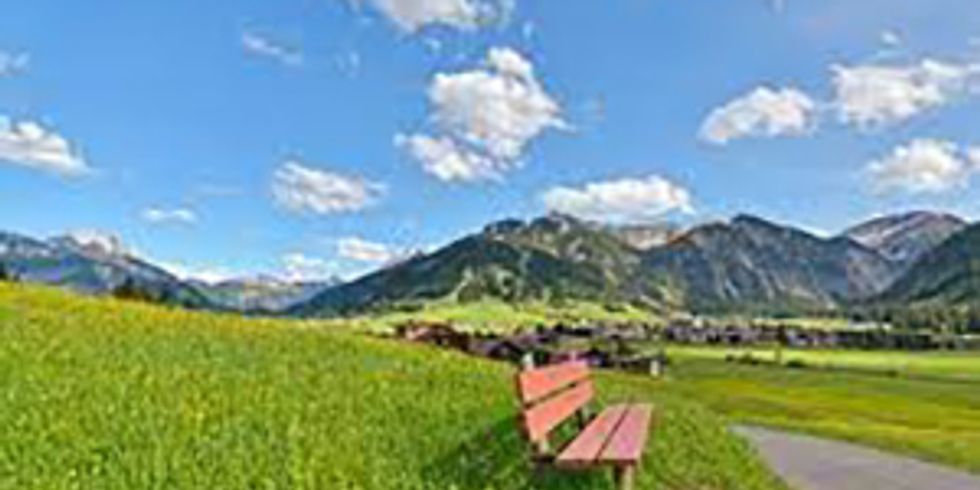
[[6, 275], [131, 291], [933, 317]]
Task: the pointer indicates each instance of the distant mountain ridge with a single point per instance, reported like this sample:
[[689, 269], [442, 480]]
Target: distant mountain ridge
[[99, 263], [906, 237], [948, 274], [746, 263], [752, 263], [743, 264], [95, 264], [262, 294]]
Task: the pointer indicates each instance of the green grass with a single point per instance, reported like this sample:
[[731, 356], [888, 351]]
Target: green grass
[[501, 317], [961, 366], [934, 419], [108, 395]]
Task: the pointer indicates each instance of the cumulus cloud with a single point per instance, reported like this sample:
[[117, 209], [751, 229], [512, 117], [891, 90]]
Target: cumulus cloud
[[161, 216], [303, 189], [413, 15], [924, 166], [29, 144], [891, 39], [99, 242], [764, 112], [206, 274], [258, 45], [486, 119], [621, 201], [448, 160], [361, 250], [871, 96], [12, 64], [298, 267]]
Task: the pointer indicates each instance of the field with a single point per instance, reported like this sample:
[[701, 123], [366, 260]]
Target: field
[[930, 417], [950, 366], [109, 395], [500, 317]]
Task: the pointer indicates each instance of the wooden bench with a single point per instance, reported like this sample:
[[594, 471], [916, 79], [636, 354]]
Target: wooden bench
[[615, 439]]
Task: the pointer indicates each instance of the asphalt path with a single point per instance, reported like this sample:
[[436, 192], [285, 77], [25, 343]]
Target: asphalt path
[[811, 463]]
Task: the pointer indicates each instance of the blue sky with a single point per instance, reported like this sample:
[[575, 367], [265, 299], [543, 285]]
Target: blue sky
[[330, 136]]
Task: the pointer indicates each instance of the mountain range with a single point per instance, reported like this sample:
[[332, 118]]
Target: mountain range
[[743, 264], [97, 263]]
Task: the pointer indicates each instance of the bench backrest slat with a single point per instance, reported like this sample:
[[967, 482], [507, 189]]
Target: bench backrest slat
[[542, 418], [536, 384]]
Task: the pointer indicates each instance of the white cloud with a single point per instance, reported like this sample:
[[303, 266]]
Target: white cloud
[[160, 216], [303, 268], [500, 110], [764, 112], [487, 117], [206, 274], [263, 46], [99, 242], [29, 144], [891, 39], [621, 201], [870, 96], [413, 15], [361, 250], [449, 161], [13, 63], [304, 189], [924, 167]]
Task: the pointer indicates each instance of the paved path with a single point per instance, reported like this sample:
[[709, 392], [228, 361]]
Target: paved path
[[810, 463]]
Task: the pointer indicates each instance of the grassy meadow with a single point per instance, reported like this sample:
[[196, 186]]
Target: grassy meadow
[[110, 395], [932, 418], [942, 366], [499, 316]]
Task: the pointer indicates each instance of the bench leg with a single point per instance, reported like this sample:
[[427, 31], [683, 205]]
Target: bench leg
[[625, 476]]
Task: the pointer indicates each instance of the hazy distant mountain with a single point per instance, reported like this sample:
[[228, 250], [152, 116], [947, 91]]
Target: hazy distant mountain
[[752, 263], [904, 238], [263, 293], [948, 274], [92, 263]]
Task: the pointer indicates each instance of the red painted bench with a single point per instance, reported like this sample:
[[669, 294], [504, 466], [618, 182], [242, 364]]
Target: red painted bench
[[615, 439]]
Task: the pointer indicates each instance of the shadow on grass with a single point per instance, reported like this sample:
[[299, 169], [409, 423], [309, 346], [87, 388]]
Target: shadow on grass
[[499, 457]]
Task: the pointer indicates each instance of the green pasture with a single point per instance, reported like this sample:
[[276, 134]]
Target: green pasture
[[943, 365], [109, 395], [934, 418]]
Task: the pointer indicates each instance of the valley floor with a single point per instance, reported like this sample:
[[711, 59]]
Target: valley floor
[[932, 418]]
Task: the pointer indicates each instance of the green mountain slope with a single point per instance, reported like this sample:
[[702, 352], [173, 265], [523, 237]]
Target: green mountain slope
[[110, 395], [949, 274], [745, 264], [551, 258]]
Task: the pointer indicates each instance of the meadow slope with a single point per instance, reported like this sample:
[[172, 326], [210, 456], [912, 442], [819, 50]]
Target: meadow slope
[[111, 395]]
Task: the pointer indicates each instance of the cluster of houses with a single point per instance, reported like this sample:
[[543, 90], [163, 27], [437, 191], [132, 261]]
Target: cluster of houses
[[796, 337], [633, 346], [601, 346]]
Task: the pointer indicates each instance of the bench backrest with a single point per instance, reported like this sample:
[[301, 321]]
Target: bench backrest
[[551, 395]]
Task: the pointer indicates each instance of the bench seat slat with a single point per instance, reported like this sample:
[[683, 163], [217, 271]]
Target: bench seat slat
[[542, 418], [585, 449], [539, 383], [626, 445]]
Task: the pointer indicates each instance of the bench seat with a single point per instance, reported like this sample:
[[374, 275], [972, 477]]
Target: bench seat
[[616, 437], [552, 395]]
